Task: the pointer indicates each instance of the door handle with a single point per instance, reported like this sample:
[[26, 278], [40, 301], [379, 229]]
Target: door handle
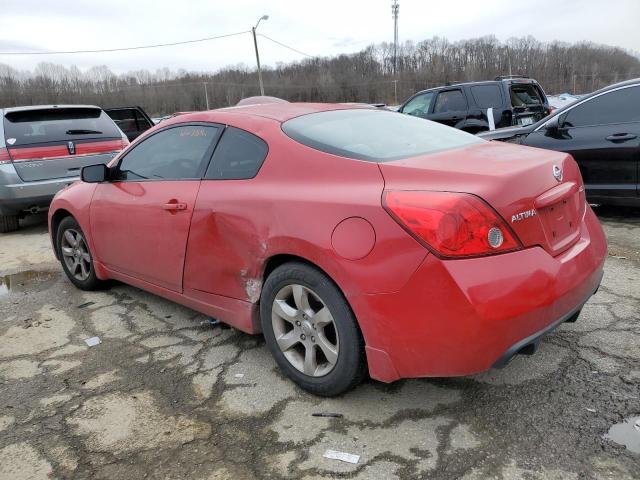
[[174, 206], [621, 137]]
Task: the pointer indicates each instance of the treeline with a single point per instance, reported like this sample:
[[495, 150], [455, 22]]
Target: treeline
[[366, 76]]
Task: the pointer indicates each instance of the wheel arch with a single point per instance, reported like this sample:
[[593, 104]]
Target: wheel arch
[[56, 218]]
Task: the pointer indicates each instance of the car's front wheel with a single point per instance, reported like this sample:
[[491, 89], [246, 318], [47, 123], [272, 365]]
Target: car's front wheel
[[75, 256], [311, 330]]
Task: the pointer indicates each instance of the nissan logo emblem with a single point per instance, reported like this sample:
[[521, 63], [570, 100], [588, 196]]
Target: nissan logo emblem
[[557, 173]]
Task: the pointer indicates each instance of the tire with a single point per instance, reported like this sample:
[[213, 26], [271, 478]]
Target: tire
[[83, 275], [8, 223], [324, 323]]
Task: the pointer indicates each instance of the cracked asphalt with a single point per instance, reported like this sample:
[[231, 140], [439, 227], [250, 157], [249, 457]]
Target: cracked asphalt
[[166, 395]]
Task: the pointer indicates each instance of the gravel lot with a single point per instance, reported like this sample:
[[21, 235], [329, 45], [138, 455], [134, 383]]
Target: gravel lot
[[166, 395]]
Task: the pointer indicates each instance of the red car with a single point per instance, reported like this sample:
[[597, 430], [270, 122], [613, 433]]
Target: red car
[[356, 240]]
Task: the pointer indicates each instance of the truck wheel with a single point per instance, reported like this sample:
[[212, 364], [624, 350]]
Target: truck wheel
[[311, 330], [8, 223]]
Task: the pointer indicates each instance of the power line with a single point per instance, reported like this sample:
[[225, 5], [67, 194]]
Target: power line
[[286, 46], [139, 47]]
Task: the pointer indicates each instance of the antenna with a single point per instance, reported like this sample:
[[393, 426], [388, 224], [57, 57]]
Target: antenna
[[395, 10]]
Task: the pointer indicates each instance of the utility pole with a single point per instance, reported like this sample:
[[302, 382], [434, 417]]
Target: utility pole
[[395, 9], [395, 92], [206, 94], [255, 44]]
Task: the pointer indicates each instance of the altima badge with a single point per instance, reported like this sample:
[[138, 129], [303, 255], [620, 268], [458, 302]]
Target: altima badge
[[522, 215], [557, 173]]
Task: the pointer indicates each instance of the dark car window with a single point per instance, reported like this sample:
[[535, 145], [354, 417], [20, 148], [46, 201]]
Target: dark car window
[[172, 154], [619, 106], [239, 155], [129, 120], [524, 95], [450, 101], [25, 127], [487, 96], [374, 135], [419, 105]]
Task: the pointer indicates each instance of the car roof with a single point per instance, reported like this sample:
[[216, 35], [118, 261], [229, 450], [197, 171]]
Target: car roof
[[561, 110], [44, 107], [280, 112], [515, 80]]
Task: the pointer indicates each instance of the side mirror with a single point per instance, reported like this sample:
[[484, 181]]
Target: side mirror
[[553, 125], [94, 173]]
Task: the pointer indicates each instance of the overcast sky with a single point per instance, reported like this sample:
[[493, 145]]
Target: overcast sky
[[324, 27]]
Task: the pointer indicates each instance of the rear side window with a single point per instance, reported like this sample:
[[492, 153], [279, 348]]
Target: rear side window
[[173, 154], [129, 120], [524, 95], [57, 125], [374, 135], [450, 101], [487, 96], [620, 106], [239, 155]]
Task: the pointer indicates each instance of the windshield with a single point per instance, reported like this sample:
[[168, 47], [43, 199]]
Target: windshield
[[25, 127], [374, 135]]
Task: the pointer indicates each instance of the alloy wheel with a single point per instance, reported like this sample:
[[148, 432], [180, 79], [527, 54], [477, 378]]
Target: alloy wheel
[[305, 330], [76, 254]]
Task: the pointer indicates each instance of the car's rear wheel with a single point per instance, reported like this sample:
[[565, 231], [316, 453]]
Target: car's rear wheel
[[8, 223], [75, 256], [311, 330]]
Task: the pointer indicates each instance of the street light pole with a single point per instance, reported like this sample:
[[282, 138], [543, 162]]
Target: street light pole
[[255, 44]]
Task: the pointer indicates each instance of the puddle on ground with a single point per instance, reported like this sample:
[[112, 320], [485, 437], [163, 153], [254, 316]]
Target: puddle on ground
[[626, 433], [24, 282]]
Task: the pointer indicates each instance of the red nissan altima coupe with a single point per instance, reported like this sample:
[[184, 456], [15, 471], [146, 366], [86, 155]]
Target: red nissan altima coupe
[[356, 240]]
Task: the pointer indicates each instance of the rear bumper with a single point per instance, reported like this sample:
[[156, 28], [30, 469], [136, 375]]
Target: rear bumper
[[17, 196], [461, 317]]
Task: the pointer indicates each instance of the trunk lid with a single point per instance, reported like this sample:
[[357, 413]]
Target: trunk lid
[[518, 182], [56, 142]]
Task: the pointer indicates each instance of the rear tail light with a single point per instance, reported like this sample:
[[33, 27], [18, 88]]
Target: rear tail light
[[451, 224], [4, 156]]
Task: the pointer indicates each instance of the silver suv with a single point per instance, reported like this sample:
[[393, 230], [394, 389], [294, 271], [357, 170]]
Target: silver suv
[[43, 148]]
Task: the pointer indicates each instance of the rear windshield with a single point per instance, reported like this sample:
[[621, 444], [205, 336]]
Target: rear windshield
[[525, 95], [57, 124], [374, 135]]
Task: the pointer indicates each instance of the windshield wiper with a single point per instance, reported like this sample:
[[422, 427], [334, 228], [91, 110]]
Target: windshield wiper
[[82, 131]]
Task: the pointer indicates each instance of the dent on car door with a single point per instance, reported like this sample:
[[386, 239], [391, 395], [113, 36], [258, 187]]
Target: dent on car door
[[224, 241], [140, 219], [603, 135], [450, 107]]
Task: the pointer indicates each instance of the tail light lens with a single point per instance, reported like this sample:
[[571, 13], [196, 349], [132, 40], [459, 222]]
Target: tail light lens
[[451, 224], [4, 156]]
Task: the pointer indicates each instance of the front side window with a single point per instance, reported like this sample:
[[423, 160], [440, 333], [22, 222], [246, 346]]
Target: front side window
[[239, 155], [172, 154], [374, 135], [450, 101], [619, 106], [419, 105]]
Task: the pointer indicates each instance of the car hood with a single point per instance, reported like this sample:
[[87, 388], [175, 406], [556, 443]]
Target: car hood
[[517, 181]]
